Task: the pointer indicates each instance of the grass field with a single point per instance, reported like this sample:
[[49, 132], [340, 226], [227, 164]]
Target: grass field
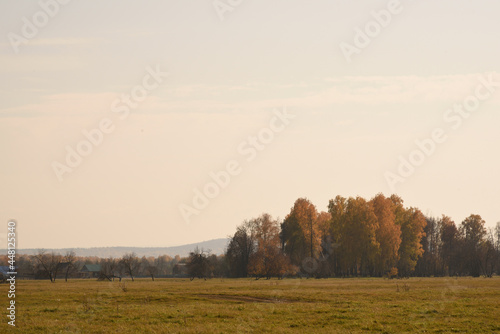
[[443, 305]]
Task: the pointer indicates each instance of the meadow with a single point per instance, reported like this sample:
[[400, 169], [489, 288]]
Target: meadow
[[364, 305]]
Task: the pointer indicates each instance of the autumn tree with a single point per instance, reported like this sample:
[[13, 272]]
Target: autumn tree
[[301, 233], [354, 225], [293, 241], [388, 235], [360, 235], [268, 260], [412, 223], [336, 208], [325, 267], [241, 246], [473, 232], [449, 236], [323, 223]]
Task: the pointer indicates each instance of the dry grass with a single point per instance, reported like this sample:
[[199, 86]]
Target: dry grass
[[443, 305]]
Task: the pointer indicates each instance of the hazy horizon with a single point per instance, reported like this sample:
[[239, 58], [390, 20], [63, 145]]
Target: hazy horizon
[[327, 122], [125, 246]]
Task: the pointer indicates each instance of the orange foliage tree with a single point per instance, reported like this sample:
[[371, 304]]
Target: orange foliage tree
[[412, 223], [388, 234], [268, 260], [302, 232]]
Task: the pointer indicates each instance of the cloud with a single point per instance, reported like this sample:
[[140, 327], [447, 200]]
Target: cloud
[[64, 41], [57, 105], [349, 90], [253, 97]]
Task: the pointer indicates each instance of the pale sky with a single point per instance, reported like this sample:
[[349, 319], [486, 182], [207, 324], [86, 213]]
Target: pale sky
[[66, 72]]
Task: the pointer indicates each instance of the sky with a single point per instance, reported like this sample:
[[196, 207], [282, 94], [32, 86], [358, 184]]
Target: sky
[[161, 123]]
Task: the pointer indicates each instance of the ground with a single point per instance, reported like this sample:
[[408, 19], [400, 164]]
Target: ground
[[415, 305]]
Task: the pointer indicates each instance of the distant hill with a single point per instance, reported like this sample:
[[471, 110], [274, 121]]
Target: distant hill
[[217, 247]]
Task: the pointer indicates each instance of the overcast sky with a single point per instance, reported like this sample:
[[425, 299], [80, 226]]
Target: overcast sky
[[232, 68]]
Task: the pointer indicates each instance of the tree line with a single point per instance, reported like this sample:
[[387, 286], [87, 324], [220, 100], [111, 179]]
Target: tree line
[[53, 266], [359, 237], [379, 237]]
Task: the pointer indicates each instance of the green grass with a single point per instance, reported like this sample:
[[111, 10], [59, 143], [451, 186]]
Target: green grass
[[440, 305]]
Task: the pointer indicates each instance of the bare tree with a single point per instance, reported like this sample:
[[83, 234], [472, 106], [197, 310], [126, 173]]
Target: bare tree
[[70, 259], [148, 266], [109, 267], [49, 262], [241, 247], [130, 264]]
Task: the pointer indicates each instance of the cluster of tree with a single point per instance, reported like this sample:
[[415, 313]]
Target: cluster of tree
[[50, 265], [202, 264], [256, 250], [359, 237], [469, 249]]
